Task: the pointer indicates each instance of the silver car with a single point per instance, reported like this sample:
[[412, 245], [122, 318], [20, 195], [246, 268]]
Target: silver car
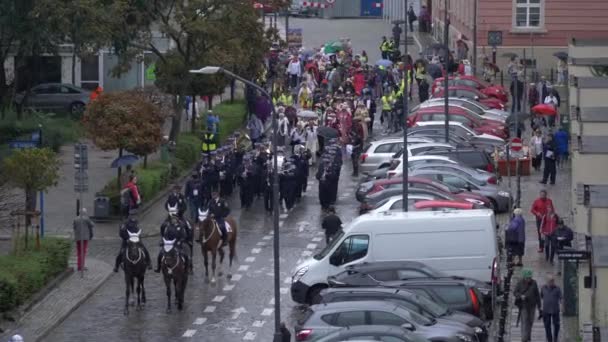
[[500, 199], [323, 319], [379, 152], [480, 175], [55, 97], [472, 105]]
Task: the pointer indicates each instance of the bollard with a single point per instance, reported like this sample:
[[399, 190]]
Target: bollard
[[502, 79]]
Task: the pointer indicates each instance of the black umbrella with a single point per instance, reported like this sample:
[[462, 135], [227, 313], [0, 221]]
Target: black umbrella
[[327, 132], [125, 160], [561, 55], [509, 55], [434, 70]]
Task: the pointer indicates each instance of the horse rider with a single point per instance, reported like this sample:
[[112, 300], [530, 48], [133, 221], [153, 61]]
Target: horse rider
[[173, 228], [130, 226], [178, 200], [220, 210]]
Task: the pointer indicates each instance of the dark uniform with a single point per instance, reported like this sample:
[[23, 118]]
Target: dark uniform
[[178, 201], [226, 176], [219, 209], [288, 184], [357, 142], [213, 173], [129, 226], [268, 182], [175, 229], [194, 196], [323, 176], [246, 183]]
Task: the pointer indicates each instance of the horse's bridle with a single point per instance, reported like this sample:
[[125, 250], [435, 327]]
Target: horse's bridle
[[215, 228], [139, 255], [177, 257]]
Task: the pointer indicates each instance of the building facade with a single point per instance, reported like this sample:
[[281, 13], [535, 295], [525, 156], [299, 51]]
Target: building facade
[[588, 69], [541, 27]]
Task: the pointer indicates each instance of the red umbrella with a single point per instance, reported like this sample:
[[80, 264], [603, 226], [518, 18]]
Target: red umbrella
[[544, 109]]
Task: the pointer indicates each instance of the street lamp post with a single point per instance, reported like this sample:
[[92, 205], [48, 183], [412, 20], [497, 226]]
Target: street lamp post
[[210, 70], [446, 36], [406, 79]]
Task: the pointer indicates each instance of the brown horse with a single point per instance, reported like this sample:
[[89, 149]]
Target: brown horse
[[211, 241]]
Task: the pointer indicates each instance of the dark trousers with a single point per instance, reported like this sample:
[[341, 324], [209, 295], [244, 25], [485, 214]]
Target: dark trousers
[[541, 245], [334, 192], [193, 205], [537, 161], [355, 160], [547, 320], [384, 54], [549, 171], [293, 83], [324, 196], [550, 248], [268, 199], [516, 104]]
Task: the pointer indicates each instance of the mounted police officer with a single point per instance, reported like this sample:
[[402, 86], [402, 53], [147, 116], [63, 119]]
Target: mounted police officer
[[220, 210], [130, 226], [173, 228], [176, 199]]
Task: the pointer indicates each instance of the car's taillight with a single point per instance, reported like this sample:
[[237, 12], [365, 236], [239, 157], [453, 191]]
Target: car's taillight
[[490, 168], [363, 157], [303, 334], [492, 180], [474, 299], [495, 277], [391, 174]]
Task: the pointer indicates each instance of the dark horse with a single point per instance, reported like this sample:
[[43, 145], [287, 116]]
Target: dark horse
[[211, 241], [173, 266], [134, 266]]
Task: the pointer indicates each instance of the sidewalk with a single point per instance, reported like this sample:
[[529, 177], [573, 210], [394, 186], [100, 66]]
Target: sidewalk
[[60, 302]]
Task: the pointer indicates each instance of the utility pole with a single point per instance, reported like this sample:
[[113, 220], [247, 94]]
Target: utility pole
[[475, 37], [406, 80], [446, 37]]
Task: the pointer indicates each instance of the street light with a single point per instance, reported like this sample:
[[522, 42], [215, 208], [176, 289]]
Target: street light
[[211, 70]]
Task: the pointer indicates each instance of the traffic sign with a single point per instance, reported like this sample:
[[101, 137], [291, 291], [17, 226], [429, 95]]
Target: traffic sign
[[494, 38], [22, 144], [516, 144]]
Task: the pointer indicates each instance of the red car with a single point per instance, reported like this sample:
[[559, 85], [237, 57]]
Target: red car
[[471, 81], [479, 125], [439, 205], [471, 93], [420, 182]]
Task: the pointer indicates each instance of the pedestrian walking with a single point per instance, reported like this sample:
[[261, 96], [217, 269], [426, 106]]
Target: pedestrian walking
[[540, 207], [549, 156], [527, 299], [563, 236], [562, 140], [129, 196], [552, 100], [543, 88], [423, 90], [331, 224], [536, 149], [517, 89], [547, 229], [411, 17], [551, 296], [283, 129], [516, 237], [83, 232], [294, 71]]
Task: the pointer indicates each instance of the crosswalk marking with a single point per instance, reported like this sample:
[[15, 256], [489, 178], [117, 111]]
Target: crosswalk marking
[[237, 277], [209, 308], [283, 290], [249, 336], [258, 324], [311, 246], [200, 321], [267, 312], [189, 333], [267, 237], [249, 259], [256, 250], [228, 288], [261, 243], [244, 268], [218, 299], [317, 239], [306, 253]]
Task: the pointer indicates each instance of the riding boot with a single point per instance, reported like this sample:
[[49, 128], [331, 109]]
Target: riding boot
[[147, 257], [118, 261], [224, 239], [158, 260]]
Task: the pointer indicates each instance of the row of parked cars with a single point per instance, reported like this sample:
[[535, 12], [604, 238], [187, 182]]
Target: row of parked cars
[[429, 274]]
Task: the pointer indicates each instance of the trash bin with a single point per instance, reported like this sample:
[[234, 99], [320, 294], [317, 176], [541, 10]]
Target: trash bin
[[101, 206]]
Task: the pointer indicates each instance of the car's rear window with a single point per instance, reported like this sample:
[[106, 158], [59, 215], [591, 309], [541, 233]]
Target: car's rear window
[[384, 148], [452, 294], [477, 158]]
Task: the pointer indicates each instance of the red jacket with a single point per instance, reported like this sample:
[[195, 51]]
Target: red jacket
[[540, 206], [549, 224], [135, 199]]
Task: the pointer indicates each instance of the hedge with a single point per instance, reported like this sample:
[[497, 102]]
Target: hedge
[[232, 117], [24, 275], [157, 176]]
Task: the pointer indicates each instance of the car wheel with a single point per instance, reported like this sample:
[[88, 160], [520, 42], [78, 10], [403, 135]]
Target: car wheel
[[314, 294], [76, 109]]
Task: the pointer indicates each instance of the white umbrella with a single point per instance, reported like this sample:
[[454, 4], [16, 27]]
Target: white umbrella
[[308, 114]]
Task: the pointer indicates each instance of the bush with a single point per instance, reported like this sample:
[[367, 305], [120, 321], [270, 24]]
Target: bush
[[22, 276], [187, 150], [232, 117]]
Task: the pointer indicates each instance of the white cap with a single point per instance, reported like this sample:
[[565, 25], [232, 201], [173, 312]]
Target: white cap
[[16, 338]]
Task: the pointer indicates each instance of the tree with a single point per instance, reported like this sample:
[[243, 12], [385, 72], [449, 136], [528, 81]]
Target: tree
[[202, 32], [124, 121], [32, 170]]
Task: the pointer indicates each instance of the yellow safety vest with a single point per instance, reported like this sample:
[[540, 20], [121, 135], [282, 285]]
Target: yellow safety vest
[[287, 100], [387, 102], [208, 143], [385, 46]]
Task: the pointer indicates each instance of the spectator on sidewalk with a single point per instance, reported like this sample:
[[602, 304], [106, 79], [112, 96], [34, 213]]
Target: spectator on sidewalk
[[213, 122], [562, 138], [552, 100], [539, 209], [527, 299], [331, 224], [547, 229], [124, 177], [411, 17], [536, 149], [83, 232], [551, 296], [423, 90], [564, 236], [129, 196], [516, 236], [550, 156]]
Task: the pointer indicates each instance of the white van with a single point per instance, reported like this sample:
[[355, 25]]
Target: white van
[[457, 242]]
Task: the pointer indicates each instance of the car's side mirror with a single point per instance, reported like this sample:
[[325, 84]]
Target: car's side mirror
[[476, 98], [408, 326], [335, 260]]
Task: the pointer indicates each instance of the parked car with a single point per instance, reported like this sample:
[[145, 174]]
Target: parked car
[[463, 131], [55, 97], [459, 139], [471, 157], [416, 203], [370, 333], [378, 199], [471, 93], [323, 319], [490, 90], [458, 242], [478, 174], [472, 105], [379, 152], [500, 199], [454, 292], [453, 105], [457, 114], [410, 300]]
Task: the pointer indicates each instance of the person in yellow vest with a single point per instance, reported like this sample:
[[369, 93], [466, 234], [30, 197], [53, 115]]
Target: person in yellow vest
[[387, 105], [286, 99], [384, 48], [209, 142]]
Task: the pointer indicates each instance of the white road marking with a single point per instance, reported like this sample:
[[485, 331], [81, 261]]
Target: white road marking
[[306, 253], [200, 321], [209, 308], [261, 243], [249, 336], [317, 239], [228, 288], [283, 290], [311, 246], [249, 259], [237, 312], [267, 312], [258, 324], [256, 250], [244, 268], [189, 333], [287, 280], [271, 302], [283, 216], [218, 299], [267, 237], [236, 277]]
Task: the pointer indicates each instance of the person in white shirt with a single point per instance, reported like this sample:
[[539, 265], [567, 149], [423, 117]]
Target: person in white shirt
[[283, 128], [294, 70], [536, 149], [298, 137], [552, 100], [312, 143]]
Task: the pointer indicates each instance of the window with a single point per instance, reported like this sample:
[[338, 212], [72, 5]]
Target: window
[[407, 274], [465, 93], [528, 13], [385, 318], [353, 248], [455, 181], [469, 83], [384, 148], [89, 72], [68, 90], [452, 294], [346, 319]]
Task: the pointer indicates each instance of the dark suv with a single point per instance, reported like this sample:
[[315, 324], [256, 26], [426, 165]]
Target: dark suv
[[471, 157]]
